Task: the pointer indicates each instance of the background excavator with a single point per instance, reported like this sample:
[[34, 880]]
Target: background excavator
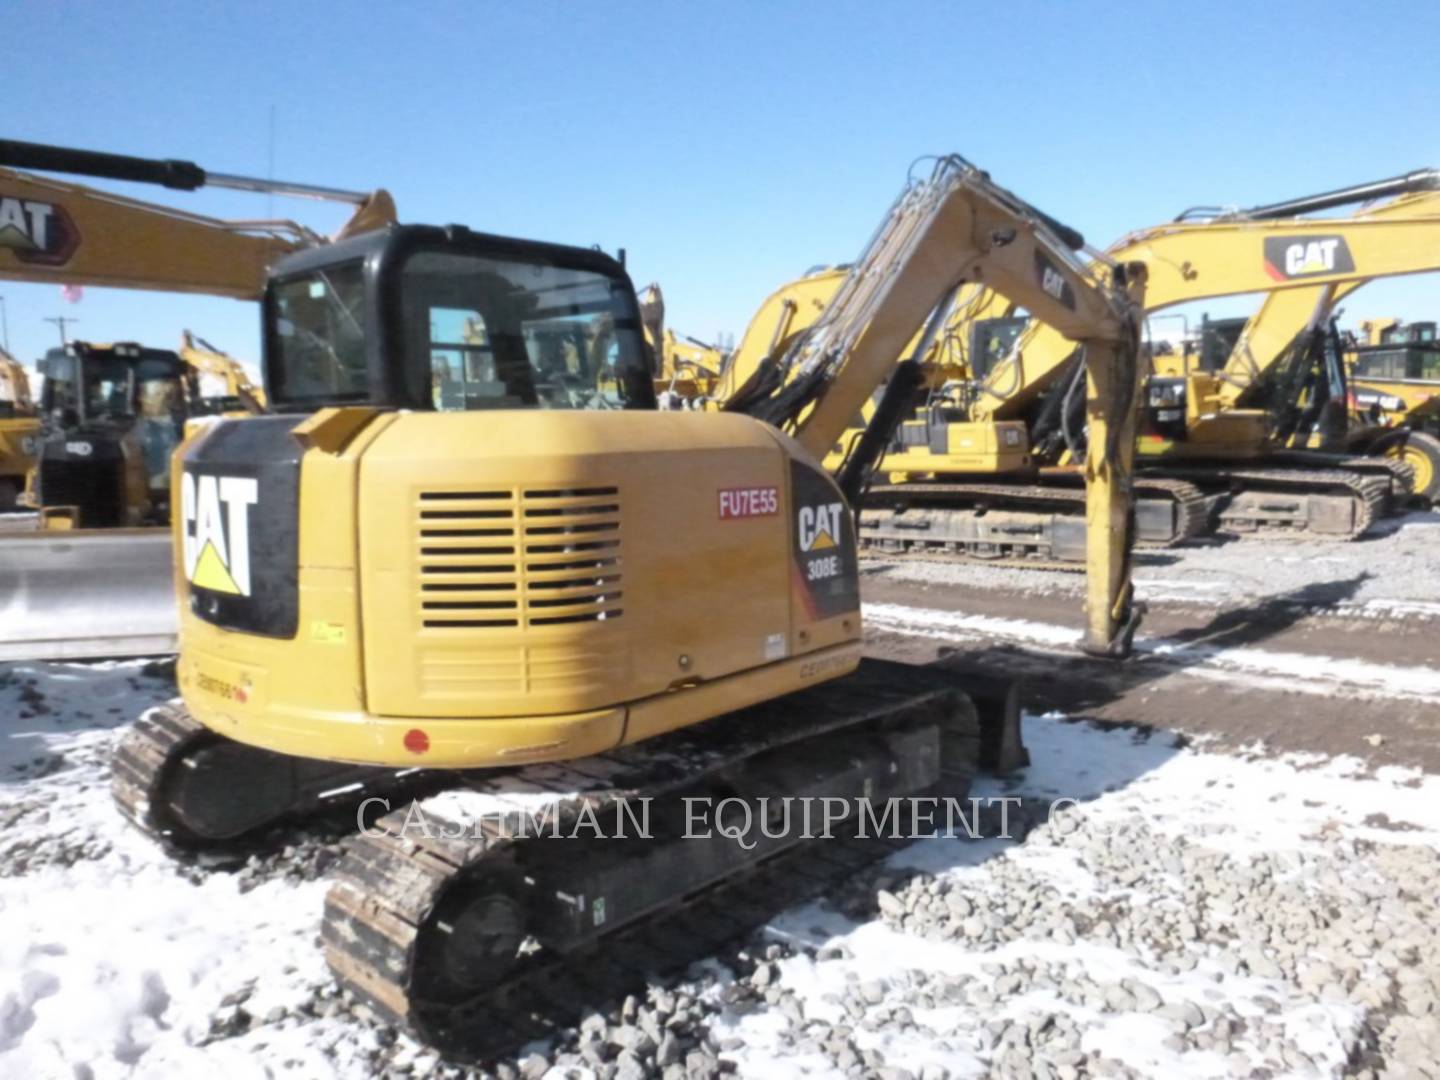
[[19, 431], [554, 581], [686, 369], [104, 591], [222, 383], [1266, 382], [976, 469]]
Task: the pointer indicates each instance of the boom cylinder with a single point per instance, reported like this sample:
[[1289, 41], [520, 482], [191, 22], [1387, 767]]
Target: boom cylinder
[[166, 172], [1409, 184]]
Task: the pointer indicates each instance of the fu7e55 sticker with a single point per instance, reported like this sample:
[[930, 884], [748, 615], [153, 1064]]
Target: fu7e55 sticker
[[748, 502]]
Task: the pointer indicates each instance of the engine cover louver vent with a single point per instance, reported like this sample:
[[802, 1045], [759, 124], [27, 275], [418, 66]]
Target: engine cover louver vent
[[518, 557]]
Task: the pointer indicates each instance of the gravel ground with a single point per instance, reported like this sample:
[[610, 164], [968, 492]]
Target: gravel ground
[[1393, 571], [1192, 913]]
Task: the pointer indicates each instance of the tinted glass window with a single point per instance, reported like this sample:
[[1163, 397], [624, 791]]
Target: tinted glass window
[[509, 334], [319, 337]]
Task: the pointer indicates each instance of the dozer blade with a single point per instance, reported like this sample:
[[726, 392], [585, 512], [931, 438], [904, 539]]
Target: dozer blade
[[86, 594]]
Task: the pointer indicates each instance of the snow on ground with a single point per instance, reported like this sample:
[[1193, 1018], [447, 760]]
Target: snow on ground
[[1194, 914], [1393, 572], [1131, 999], [113, 963]]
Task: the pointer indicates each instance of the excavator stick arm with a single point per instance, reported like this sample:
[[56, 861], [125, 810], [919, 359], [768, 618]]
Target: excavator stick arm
[[955, 228]]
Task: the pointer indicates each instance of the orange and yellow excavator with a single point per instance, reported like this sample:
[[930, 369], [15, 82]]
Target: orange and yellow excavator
[[107, 591]]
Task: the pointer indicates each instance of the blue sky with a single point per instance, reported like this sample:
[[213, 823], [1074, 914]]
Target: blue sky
[[726, 147]]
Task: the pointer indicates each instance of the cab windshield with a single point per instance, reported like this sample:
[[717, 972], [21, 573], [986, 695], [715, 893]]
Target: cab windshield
[[320, 337], [512, 335], [101, 387], [475, 331]]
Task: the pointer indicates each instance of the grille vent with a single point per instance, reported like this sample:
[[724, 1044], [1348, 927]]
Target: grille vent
[[518, 557]]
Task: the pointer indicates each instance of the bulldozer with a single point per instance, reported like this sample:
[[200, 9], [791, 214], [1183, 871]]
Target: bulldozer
[[555, 598], [107, 590], [113, 415]]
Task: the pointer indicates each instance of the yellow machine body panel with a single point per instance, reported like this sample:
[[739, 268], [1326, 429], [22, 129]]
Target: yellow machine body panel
[[994, 447], [19, 429], [520, 589], [19, 439]]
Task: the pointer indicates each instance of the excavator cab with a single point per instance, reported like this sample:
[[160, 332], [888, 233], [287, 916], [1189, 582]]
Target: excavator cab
[[113, 416], [426, 318], [991, 341]]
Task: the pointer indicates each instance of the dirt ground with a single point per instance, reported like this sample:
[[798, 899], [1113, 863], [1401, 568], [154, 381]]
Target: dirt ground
[[1313, 648]]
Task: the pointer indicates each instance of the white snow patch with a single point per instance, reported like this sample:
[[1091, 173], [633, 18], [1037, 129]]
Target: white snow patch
[[1301, 672], [1235, 805], [115, 965]]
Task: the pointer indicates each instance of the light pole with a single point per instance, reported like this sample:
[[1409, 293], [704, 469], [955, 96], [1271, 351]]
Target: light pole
[[4, 324], [61, 321]]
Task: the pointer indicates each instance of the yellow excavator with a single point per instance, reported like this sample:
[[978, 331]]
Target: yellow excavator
[[591, 601], [104, 591], [222, 383], [19, 431], [980, 467], [687, 370]]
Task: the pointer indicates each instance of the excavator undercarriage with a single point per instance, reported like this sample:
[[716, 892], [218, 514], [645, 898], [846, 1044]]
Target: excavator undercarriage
[[1039, 526], [474, 891]]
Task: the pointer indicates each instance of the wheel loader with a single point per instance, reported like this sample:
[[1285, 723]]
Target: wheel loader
[[1395, 387], [554, 599]]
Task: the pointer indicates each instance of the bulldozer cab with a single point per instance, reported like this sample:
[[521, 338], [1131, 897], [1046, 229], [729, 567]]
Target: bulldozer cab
[[113, 413], [424, 318], [94, 386]]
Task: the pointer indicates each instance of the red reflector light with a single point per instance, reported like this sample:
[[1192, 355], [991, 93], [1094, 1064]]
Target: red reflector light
[[416, 741]]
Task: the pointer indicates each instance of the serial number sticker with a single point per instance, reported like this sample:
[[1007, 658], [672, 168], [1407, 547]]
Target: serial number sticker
[[775, 647], [830, 665], [221, 688], [327, 633], [748, 502]]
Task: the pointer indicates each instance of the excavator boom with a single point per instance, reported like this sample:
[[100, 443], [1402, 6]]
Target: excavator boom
[[1189, 261], [955, 228], [62, 232]]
